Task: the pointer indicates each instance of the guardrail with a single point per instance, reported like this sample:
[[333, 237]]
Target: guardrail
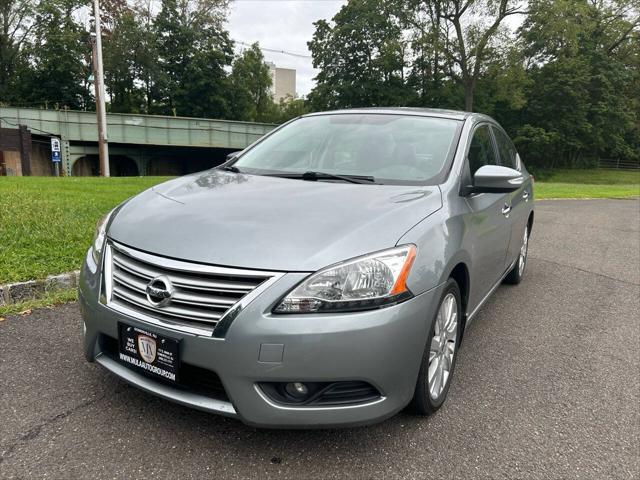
[[617, 164]]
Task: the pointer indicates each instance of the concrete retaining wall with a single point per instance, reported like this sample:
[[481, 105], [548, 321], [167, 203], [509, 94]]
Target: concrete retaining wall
[[33, 289]]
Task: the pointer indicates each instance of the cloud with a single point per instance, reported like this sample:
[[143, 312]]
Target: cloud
[[282, 25]]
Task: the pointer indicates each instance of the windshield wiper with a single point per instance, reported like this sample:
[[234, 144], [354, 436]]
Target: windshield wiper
[[315, 176], [230, 168]]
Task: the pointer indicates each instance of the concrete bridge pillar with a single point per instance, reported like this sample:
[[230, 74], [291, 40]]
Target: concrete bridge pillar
[[143, 165]]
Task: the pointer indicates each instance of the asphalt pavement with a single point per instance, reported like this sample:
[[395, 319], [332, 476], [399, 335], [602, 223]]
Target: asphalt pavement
[[547, 385]]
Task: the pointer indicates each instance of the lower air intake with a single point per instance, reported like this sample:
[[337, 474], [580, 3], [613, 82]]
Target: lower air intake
[[322, 394]]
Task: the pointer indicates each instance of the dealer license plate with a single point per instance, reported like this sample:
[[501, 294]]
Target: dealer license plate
[[149, 352]]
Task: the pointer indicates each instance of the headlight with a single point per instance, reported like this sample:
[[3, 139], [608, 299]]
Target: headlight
[[100, 236], [363, 283]]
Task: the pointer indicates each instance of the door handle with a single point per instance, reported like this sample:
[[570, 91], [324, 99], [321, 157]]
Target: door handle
[[506, 209], [525, 195]]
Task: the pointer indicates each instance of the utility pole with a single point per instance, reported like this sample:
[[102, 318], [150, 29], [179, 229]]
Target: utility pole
[[103, 142]]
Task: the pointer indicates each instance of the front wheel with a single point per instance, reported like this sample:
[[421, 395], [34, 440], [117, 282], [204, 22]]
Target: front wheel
[[439, 358], [517, 272]]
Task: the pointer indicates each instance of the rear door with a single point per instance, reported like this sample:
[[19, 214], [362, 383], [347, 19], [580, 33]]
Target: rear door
[[519, 199], [488, 226]]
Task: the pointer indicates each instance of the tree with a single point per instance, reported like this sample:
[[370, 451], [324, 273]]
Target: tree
[[582, 102], [147, 68], [290, 108], [126, 59], [565, 85], [251, 86], [193, 51], [476, 25], [361, 57], [399, 53], [204, 90], [424, 19], [57, 65], [16, 24]]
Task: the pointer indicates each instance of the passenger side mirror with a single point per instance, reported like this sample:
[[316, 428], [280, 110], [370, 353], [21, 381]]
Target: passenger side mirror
[[495, 179]]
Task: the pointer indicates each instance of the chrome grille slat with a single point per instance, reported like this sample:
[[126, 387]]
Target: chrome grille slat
[[180, 280], [172, 311], [215, 302], [201, 296], [179, 297], [129, 281]]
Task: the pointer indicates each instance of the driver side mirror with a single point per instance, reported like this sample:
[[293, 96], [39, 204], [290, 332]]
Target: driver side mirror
[[495, 179]]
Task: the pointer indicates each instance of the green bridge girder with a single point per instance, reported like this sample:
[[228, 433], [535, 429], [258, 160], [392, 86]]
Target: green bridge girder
[[79, 133]]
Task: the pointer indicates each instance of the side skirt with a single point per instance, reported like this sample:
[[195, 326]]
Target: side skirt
[[471, 316]]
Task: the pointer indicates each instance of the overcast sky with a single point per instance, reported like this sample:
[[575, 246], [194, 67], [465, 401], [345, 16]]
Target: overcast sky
[[282, 25]]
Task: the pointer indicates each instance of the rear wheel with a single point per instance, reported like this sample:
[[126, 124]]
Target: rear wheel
[[517, 272], [439, 358]]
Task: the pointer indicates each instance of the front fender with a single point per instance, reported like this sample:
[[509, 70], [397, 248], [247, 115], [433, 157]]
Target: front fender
[[439, 240]]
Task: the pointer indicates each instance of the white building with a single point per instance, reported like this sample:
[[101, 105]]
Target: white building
[[283, 82]]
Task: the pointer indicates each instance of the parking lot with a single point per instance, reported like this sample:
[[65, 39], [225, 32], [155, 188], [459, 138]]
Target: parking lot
[[547, 385]]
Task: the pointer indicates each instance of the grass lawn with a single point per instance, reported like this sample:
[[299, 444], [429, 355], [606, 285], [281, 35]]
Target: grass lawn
[[46, 224], [588, 184]]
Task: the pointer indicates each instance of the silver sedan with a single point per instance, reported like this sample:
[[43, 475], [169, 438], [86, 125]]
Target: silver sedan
[[323, 276]]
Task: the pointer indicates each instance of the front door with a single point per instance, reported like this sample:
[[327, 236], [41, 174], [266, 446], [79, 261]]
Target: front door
[[489, 226]]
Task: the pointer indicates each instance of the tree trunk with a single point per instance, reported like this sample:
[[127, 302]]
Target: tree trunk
[[469, 87]]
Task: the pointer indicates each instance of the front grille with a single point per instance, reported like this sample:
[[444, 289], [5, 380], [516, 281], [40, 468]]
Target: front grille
[[201, 297], [190, 378]]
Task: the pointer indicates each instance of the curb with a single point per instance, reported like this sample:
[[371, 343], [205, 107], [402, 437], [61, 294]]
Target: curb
[[11, 293]]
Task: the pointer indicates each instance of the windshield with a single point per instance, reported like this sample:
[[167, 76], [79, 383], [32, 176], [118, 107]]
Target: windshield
[[391, 148]]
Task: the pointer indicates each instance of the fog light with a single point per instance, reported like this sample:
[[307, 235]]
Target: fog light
[[297, 389]]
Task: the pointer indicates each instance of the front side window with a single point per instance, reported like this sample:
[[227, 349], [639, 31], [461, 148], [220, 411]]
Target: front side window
[[481, 149], [391, 148], [508, 154]]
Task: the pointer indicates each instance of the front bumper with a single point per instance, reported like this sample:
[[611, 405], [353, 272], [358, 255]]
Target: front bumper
[[382, 347]]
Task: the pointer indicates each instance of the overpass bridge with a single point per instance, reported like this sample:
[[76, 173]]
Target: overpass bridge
[[138, 144]]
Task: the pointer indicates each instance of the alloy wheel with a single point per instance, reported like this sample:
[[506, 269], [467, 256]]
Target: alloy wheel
[[443, 346]]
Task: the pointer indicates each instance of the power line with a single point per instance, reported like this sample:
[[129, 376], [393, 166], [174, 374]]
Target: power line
[[293, 54], [30, 128], [239, 42]]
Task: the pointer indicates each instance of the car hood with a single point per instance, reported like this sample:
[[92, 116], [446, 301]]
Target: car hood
[[260, 222]]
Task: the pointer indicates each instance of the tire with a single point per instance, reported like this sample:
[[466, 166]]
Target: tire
[[429, 397], [514, 277]]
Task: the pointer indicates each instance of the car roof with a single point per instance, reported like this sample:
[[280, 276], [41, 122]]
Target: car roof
[[423, 112]]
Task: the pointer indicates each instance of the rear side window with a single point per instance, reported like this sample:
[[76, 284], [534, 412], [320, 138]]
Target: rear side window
[[481, 150], [508, 154]]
